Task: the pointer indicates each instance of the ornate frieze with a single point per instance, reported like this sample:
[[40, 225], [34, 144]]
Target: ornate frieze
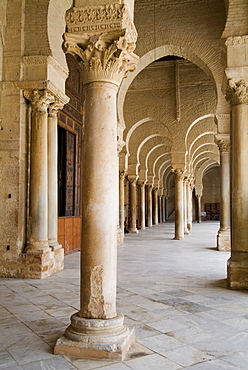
[[104, 40], [237, 92], [236, 40]]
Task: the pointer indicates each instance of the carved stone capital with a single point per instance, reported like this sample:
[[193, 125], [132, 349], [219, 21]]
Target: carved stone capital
[[103, 38], [120, 145], [122, 175], [236, 40], [237, 92], [179, 173], [40, 99], [54, 107], [223, 142]]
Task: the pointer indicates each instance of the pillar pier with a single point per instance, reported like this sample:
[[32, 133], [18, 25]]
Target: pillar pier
[[160, 201], [163, 207], [237, 267], [142, 206], [149, 206], [179, 210], [185, 199], [166, 208], [133, 204], [223, 237], [97, 330]]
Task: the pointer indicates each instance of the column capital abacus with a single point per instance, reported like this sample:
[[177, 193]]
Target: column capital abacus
[[40, 99], [223, 142], [103, 38], [237, 91]]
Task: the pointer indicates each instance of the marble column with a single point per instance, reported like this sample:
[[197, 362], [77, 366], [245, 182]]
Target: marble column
[[189, 205], [160, 200], [53, 174], [179, 211], [133, 204], [155, 208], [149, 206], [166, 208], [38, 205], [142, 206], [238, 263], [121, 201], [163, 208], [185, 202], [223, 237], [98, 330], [198, 197]]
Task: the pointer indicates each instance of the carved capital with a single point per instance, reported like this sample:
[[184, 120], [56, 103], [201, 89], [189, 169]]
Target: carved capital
[[122, 175], [223, 142], [237, 92], [120, 145], [40, 100], [132, 179], [54, 107], [103, 38], [179, 174]]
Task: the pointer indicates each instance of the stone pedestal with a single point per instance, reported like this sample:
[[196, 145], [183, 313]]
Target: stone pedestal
[[179, 210], [97, 330]]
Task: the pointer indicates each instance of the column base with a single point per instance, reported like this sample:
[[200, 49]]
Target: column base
[[189, 226], [120, 236], [96, 338], [224, 240], [133, 230], [186, 231], [237, 271], [41, 264]]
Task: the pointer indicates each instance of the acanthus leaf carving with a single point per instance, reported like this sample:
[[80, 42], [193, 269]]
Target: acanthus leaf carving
[[237, 92]]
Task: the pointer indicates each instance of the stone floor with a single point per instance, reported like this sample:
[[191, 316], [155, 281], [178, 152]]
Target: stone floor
[[173, 292]]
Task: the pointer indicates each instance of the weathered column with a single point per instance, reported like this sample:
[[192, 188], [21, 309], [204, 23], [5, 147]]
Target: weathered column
[[179, 211], [133, 204], [121, 201], [38, 206], [223, 237], [185, 201], [155, 208], [149, 206], [238, 263], [189, 204], [53, 174], [142, 206], [97, 330]]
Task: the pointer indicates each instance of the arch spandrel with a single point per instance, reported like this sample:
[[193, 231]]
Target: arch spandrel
[[205, 137]]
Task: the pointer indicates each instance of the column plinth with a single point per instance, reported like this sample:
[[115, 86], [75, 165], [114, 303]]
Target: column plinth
[[97, 330], [96, 338]]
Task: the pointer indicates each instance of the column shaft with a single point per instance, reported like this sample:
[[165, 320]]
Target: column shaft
[[100, 189], [179, 212], [189, 207], [185, 203], [198, 208], [142, 207], [149, 206], [155, 208], [121, 202], [133, 203]]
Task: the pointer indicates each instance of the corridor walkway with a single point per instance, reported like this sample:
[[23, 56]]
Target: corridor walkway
[[173, 292]]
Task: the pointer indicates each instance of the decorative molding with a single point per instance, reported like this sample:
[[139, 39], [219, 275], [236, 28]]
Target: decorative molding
[[237, 92], [236, 40], [98, 19], [179, 173], [54, 107], [105, 49], [37, 60]]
